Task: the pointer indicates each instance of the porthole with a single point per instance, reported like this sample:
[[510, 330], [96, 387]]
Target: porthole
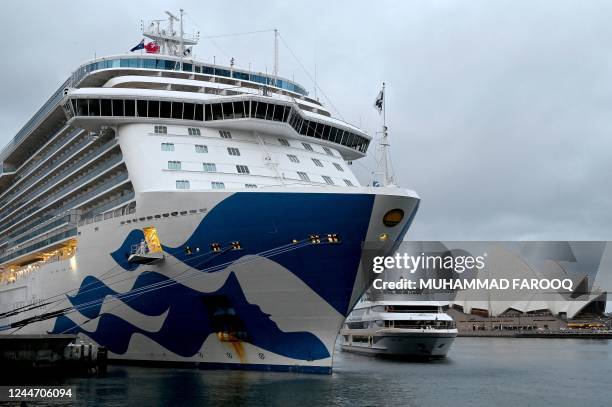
[[393, 217]]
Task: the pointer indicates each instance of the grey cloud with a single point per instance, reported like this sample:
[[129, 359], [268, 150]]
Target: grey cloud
[[499, 110]]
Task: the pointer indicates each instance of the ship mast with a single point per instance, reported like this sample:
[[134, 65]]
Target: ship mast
[[384, 146], [170, 42]]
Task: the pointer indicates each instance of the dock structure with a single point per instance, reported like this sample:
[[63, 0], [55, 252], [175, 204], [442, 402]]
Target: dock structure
[[535, 325], [36, 353]]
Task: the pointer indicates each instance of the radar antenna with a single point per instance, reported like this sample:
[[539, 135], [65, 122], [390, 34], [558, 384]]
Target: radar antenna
[[170, 42]]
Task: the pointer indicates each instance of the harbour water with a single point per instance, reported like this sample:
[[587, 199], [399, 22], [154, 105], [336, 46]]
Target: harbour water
[[478, 371]]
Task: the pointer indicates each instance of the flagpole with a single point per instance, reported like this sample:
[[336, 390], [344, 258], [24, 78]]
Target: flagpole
[[385, 142]]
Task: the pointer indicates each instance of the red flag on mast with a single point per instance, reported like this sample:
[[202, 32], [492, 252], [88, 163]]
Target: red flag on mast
[[152, 48]]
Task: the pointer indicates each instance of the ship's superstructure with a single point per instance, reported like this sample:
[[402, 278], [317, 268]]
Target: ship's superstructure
[[147, 179], [399, 328]]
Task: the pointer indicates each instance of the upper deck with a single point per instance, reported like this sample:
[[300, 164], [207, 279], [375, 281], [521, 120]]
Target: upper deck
[[160, 72]]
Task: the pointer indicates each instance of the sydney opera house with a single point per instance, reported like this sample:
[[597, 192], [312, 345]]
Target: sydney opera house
[[587, 264], [585, 299]]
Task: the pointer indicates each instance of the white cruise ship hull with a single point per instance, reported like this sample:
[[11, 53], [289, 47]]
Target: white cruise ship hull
[[274, 300]]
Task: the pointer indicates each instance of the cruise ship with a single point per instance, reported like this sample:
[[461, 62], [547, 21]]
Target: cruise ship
[[173, 210], [396, 328]]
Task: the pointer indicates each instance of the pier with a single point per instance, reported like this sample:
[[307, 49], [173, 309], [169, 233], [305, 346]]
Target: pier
[[27, 354]]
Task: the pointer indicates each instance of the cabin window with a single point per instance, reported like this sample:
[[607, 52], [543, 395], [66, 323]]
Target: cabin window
[[238, 110], [188, 111], [225, 134], [242, 169], [328, 180], [167, 146], [209, 167], [177, 110], [141, 108], [153, 108], [181, 184], [106, 106], [217, 185], [338, 167], [307, 146], [216, 111], [200, 148], [328, 150], [293, 158], [250, 186], [233, 151], [174, 165], [192, 131], [303, 176], [284, 142], [348, 183], [161, 130], [164, 109], [317, 162]]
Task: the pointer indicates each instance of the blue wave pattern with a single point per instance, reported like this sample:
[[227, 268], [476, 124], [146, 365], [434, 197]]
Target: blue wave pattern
[[122, 254], [259, 221], [266, 220], [189, 321]]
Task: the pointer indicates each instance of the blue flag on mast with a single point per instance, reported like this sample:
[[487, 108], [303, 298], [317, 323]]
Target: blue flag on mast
[[140, 45]]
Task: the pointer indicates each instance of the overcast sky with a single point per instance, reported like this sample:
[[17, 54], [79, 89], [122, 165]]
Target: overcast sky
[[500, 112]]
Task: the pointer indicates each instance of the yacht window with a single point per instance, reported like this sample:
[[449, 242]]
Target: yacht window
[[199, 148], [284, 142], [307, 146], [233, 151], [161, 130], [328, 151], [293, 158], [225, 134], [217, 185], [348, 183], [338, 167], [167, 146], [250, 186], [328, 180], [194, 131]]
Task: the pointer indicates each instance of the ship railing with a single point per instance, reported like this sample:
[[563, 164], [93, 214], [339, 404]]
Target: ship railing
[[98, 151], [71, 186], [39, 245], [77, 200], [56, 146], [51, 167], [89, 218], [54, 223], [49, 105], [141, 248]]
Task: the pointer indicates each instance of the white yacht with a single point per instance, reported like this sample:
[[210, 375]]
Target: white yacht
[[174, 210], [411, 329]]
